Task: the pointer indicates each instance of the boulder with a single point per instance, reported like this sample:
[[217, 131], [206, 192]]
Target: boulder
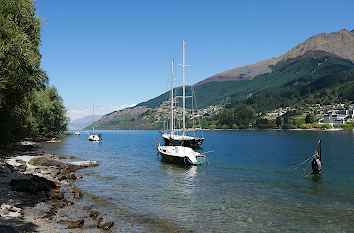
[[76, 224], [96, 215], [77, 194], [105, 225], [21, 168], [33, 185], [56, 195], [23, 185]]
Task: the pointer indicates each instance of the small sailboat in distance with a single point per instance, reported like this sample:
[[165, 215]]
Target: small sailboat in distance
[[94, 137]]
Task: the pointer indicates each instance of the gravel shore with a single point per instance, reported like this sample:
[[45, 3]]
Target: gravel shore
[[37, 195]]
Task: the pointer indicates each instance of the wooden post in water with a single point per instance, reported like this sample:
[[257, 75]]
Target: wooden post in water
[[319, 150]]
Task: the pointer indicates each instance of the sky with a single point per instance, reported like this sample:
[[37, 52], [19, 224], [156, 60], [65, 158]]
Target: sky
[[114, 54]]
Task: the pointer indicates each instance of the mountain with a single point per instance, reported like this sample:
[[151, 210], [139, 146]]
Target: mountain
[[83, 122], [218, 92], [320, 57], [339, 43], [292, 78]]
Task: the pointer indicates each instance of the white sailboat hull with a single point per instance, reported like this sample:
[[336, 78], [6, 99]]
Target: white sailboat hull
[[181, 155], [94, 138]]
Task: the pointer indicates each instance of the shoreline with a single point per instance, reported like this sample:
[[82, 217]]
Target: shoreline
[[37, 194], [251, 129]]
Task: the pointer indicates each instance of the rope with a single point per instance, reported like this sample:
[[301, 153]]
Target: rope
[[298, 165], [292, 169]]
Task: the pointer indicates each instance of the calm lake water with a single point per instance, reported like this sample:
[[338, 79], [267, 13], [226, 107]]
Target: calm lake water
[[241, 189]]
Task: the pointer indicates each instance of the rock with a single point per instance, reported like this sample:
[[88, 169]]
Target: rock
[[56, 190], [56, 206], [96, 215], [8, 211], [45, 161], [71, 176], [72, 157], [87, 208], [64, 221], [21, 168], [50, 214], [105, 225], [62, 177], [9, 214], [33, 212], [56, 195], [23, 185], [76, 224], [77, 194], [4, 213], [10, 208], [84, 164], [67, 167], [20, 161]]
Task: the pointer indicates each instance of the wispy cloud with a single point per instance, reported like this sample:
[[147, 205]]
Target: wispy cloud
[[77, 111]]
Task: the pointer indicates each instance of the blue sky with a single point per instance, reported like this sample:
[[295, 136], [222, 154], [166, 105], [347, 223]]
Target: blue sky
[[113, 53]]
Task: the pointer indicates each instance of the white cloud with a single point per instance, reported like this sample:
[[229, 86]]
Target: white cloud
[[77, 111]]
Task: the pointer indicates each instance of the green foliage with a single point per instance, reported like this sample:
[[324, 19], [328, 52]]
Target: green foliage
[[49, 112], [212, 127], [278, 121], [322, 126], [310, 119], [263, 123], [348, 126], [21, 78], [306, 126]]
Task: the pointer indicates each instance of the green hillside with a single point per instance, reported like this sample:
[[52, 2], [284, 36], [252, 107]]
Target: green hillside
[[299, 93], [296, 81], [213, 93]]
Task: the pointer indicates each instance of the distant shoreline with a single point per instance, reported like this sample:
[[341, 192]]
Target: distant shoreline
[[250, 129]]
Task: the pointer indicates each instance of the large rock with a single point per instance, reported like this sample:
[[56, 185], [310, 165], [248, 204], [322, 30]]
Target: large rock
[[33, 185], [66, 167]]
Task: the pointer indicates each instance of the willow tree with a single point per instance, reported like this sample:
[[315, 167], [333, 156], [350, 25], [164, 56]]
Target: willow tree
[[20, 74]]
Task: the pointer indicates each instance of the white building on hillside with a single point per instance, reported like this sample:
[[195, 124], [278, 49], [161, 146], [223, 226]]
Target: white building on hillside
[[337, 117]]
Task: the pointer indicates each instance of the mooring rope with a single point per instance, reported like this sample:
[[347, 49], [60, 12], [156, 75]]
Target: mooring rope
[[299, 164]]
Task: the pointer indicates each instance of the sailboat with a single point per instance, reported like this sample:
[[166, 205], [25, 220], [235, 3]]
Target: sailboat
[[94, 137], [172, 138], [181, 155]]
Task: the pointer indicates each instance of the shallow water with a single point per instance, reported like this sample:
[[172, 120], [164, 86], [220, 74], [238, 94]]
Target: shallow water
[[243, 188]]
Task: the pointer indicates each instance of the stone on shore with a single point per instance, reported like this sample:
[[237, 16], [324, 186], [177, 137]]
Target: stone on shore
[[105, 225], [56, 195], [77, 194], [96, 215], [76, 224], [8, 211]]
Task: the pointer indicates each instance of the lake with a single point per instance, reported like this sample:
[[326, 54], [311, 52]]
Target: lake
[[243, 188]]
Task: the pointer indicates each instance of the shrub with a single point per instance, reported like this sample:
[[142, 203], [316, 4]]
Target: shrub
[[212, 126]]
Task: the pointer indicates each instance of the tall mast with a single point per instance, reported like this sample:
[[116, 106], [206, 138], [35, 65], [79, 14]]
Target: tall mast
[[93, 113], [184, 90], [171, 132]]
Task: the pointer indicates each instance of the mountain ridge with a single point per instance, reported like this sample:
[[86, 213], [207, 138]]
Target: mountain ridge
[[313, 61], [340, 43], [82, 122]]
